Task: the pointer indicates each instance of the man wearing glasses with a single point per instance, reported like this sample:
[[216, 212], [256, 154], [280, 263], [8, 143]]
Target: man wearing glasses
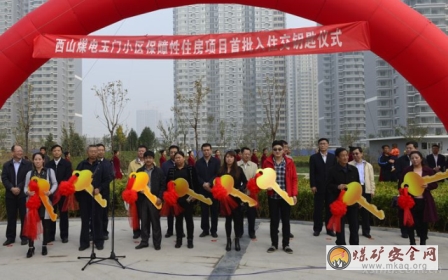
[[367, 181], [320, 164], [286, 178]]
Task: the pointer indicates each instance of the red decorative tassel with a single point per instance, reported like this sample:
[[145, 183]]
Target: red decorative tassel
[[338, 209], [131, 196], [32, 226], [253, 188], [67, 189], [130, 183], [170, 201], [227, 204], [406, 202]]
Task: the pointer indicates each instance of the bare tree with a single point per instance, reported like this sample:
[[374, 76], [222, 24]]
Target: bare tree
[[27, 106], [349, 137], [182, 126], [169, 134], [413, 131], [193, 103], [273, 98], [113, 100]]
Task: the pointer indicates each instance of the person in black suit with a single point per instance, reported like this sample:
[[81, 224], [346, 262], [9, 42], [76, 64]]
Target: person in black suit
[[401, 164], [320, 163], [13, 178], [89, 210], [63, 169], [339, 177], [108, 176], [435, 160], [149, 214]]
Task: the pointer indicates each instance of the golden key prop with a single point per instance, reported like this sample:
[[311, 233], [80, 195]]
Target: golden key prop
[[415, 181], [354, 195], [141, 184], [84, 183], [228, 182], [267, 180], [182, 188], [44, 186]]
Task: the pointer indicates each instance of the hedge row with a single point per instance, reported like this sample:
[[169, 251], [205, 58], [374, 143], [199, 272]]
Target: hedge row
[[304, 208]]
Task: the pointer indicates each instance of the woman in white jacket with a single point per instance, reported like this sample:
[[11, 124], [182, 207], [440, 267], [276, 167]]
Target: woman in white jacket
[[48, 174], [367, 179]]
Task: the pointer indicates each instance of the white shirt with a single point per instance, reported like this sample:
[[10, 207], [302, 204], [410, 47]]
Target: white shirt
[[435, 158], [324, 157], [360, 166]]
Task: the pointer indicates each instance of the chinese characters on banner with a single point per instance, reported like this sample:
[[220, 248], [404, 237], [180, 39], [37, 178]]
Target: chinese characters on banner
[[312, 40], [382, 257]]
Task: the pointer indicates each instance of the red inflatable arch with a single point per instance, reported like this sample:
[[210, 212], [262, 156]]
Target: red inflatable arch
[[401, 36]]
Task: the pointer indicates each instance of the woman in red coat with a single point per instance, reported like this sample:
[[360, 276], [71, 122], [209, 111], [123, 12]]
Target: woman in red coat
[[191, 160], [117, 168]]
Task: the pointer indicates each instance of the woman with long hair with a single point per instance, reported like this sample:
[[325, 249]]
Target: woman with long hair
[[424, 210], [230, 167], [48, 174], [117, 165]]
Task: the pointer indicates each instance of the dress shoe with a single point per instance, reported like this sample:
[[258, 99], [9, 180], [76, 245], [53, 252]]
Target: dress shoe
[[106, 237], [203, 234], [214, 235], [141, 245], [190, 244], [252, 236], [44, 251], [30, 252], [229, 244], [272, 249], [404, 236], [24, 242], [82, 248], [168, 234], [287, 249], [64, 240], [237, 244], [291, 235], [8, 242], [367, 235], [331, 233], [178, 243], [99, 247], [157, 247], [316, 233], [51, 239], [136, 235]]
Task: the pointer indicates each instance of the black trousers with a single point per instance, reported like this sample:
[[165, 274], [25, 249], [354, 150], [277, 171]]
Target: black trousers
[[63, 221], [188, 215], [404, 230], [351, 217], [279, 209], [90, 210], [106, 195], [212, 212], [170, 223], [46, 227], [149, 216], [251, 214], [321, 201], [365, 215], [237, 217], [419, 225], [12, 205]]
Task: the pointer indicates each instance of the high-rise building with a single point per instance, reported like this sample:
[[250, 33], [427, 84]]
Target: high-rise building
[[232, 104], [302, 105], [392, 102], [56, 89], [342, 117], [148, 118]]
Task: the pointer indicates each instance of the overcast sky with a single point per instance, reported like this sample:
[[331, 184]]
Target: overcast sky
[[149, 82]]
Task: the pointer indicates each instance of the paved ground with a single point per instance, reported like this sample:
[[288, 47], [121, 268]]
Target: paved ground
[[208, 259]]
